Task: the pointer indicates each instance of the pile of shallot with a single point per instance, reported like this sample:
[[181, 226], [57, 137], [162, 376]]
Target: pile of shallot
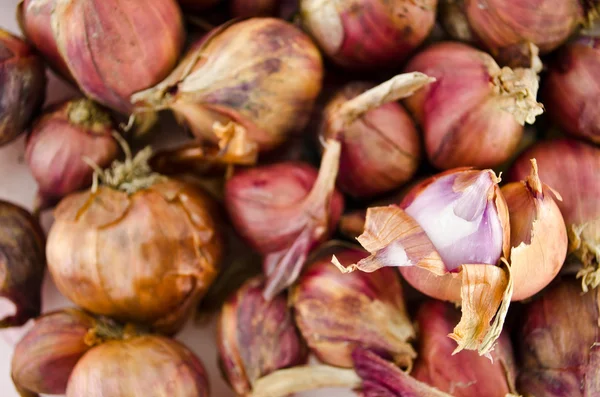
[[396, 197]]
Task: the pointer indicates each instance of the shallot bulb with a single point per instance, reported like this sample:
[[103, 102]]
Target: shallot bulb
[[505, 27], [22, 263], [110, 48], [447, 237], [44, 359], [23, 82], [368, 34], [571, 168], [140, 247], [283, 211], [475, 117], [142, 366], [569, 92], [58, 142], [338, 312], [465, 374], [559, 344], [263, 74], [380, 144], [256, 337], [537, 232]]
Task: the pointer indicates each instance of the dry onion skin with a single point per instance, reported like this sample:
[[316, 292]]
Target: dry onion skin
[[140, 366], [140, 247], [448, 237], [22, 263], [571, 168], [475, 117], [506, 27], [284, 211], [23, 82], [60, 139], [262, 74], [256, 337], [381, 147], [368, 34], [570, 92], [110, 48], [337, 313]]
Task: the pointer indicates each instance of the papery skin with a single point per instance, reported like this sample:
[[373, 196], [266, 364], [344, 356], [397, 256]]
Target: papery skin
[[538, 234], [461, 114], [147, 257], [569, 94], [504, 24], [22, 263], [145, 366], [34, 17], [393, 29], [380, 150], [23, 82], [558, 344], [253, 8], [465, 374], [60, 139], [114, 48], [256, 337], [262, 73], [338, 312], [571, 168], [44, 359]]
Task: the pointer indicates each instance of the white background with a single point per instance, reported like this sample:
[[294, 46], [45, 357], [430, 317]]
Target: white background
[[17, 185]]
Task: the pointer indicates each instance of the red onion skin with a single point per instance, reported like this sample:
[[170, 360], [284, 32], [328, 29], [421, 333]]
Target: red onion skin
[[571, 93], [261, 201], [461, 123], [376, 33], [380, 150], [571, 168], [34, 17], [465, 374], [333, 335], [22, 83], [558, 343], [57, 144], [502, 24]]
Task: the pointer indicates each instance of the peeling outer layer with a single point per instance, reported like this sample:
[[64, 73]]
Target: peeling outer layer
[[22, 263], [381, 378], [262, 73], [460, 265], [256, 337], [146, 256], [476, 117], [284, 211], [111, 48], [559, 344], [538, 234], [571, 168], [569, 94], [393, 28], [58, 142], [23, 82], [147, 365], [380, 143], [465, 374], [503, 25], [338, 312], [44, 359]]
